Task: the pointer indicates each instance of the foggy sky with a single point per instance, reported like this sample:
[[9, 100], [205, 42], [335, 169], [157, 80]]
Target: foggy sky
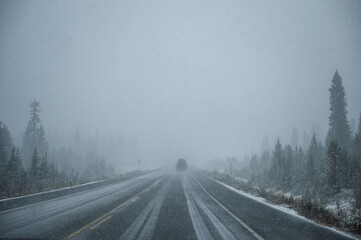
[[193, 79]]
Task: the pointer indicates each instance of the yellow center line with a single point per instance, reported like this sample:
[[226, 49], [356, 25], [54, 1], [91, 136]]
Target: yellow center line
[[111, 211], [95, 226], [230, 213]]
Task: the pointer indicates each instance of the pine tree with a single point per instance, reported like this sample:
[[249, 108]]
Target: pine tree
[[277, 162], [356, 166], [312, 157], [357, 141], [321, 161], [14, 167], [5, 150], [5, 144], [332, 173], [265, 160], [53, 173], [339, 128], [253, 165], [356, 180], [287, 168], [299, 160], [337, 175], [353, 127], [14, 173], [44, 169], [34, 136], [296, 167], [34, 168]]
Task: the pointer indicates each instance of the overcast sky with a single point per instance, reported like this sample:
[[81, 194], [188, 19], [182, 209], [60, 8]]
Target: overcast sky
[[198, 79]]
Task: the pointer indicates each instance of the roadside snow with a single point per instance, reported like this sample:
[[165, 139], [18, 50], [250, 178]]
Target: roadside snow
[[278, 207], [262, 200], [238, 179], [55, 190]]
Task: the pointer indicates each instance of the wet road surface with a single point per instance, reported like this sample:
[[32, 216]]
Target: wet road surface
[[158, 205]]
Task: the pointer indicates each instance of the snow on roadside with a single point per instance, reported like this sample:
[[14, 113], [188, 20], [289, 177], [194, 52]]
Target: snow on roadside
[[241, 180], [278, 207], [54, 190], [58, 189]]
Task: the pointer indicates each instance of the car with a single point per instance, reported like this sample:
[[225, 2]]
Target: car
[[181, 165]]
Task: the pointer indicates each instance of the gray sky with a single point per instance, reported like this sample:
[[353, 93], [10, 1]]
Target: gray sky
[[198, 79]]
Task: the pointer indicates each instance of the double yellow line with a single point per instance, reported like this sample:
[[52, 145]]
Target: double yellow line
[[108, 215], [258, 237]]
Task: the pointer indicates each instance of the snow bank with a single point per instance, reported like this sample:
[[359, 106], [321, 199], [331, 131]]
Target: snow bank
[[278, 207]]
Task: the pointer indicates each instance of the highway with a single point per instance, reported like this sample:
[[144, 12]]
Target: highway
[[158, 205]]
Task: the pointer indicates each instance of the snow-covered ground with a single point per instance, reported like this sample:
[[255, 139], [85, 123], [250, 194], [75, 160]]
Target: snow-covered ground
[[54, 190], [282, 208]]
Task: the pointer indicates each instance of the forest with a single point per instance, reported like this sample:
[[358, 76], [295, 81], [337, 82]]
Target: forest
[[321, 181], [322, 169], [35, 167]]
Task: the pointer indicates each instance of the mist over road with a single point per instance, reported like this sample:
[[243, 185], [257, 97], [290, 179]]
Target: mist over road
[[158, 205]]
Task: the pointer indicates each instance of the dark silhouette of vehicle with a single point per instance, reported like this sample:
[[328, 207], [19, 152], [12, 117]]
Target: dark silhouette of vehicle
[[181, 165]]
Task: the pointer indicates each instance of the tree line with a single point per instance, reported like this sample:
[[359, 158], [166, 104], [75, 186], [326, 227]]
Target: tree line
[[28, 169], [321, 170]]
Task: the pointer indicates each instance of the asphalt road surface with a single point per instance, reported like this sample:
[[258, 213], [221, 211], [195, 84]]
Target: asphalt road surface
[[158, 205]]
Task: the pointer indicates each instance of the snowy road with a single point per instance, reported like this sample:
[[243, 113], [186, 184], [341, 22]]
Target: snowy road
[[158, 205]]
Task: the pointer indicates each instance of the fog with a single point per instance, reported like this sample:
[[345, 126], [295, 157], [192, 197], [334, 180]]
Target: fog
[[191, 79]]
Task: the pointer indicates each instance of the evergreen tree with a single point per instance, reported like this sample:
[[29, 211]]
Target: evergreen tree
[[14, 167], [277, 161], [44, 169], [321, 161], [5, 150], [353, 127], [355, 178], [265, 160], [53, 173], [357, 141], [299, 161], [296, 169], [34, 168], [287, 168], [356, 166], [339, 126], [253, 165], [14, 173], [336, 174], [5, 144], [312, 157], [34, 136]]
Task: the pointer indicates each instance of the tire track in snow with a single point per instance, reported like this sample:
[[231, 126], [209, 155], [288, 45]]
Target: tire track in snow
[[143, 227], [199, 226]]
